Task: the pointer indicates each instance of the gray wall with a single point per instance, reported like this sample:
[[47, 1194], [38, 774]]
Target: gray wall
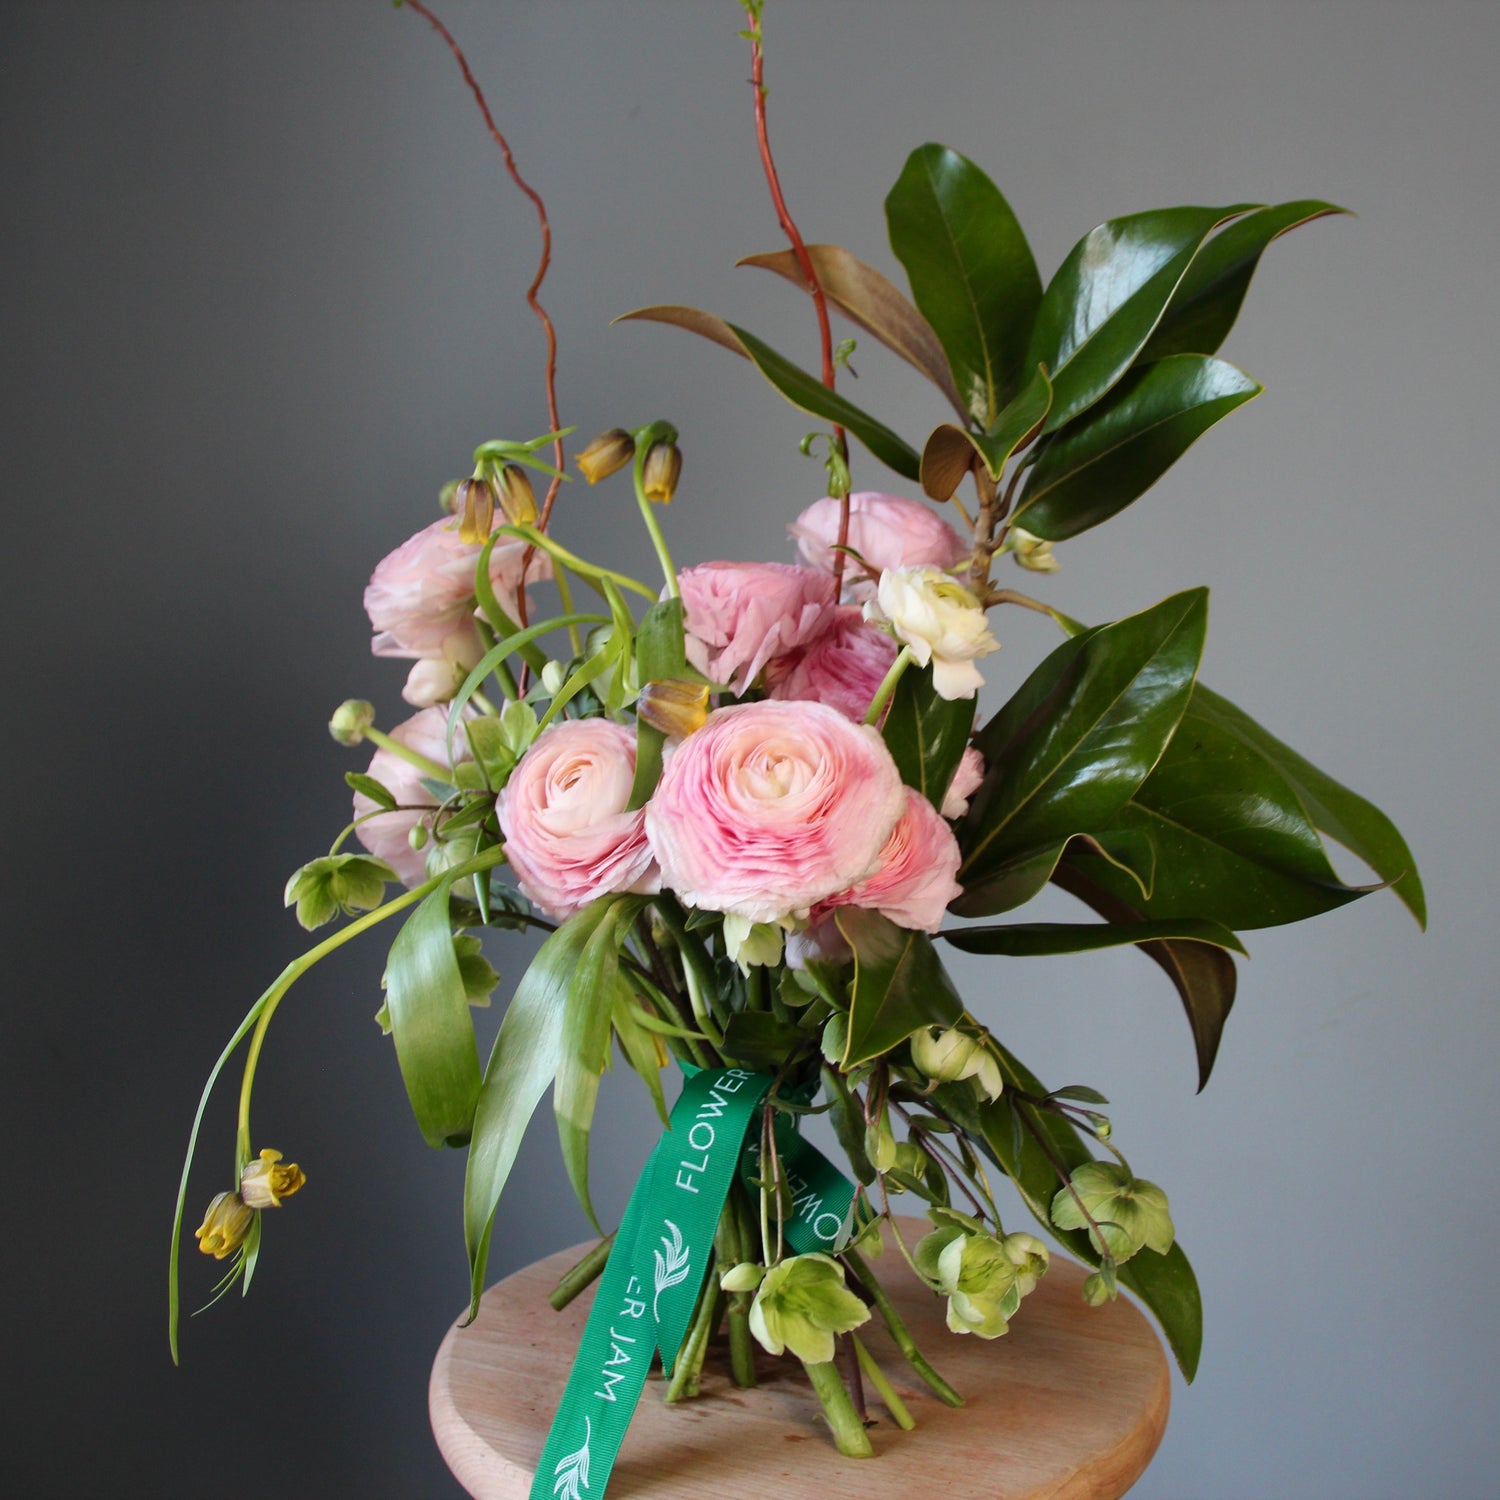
[[263, 279]]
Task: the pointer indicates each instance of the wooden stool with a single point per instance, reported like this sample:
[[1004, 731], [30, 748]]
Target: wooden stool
[[1070, 1404]]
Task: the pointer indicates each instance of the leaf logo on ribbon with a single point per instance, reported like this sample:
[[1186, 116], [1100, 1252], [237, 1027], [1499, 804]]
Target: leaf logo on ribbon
[[572, 1471], [671, 1263]]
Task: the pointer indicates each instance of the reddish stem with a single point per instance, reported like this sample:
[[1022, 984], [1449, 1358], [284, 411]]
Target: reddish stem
[[531, 292], [804, 260]]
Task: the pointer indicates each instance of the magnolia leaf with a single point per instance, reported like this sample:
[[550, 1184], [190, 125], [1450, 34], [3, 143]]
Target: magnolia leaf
[[899, 985], [1079, 737], [428, 1009], [1038, 939], [926, 733], [800, 388], [971, 271], [864, 296], [1107, 458], [1107, 297], [1208, 298]]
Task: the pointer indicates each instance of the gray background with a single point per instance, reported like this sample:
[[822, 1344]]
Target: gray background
[[263, 291]]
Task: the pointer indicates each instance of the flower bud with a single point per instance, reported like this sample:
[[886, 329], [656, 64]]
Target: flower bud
[[950, 1056], [676, 708], [1032, 552], [880, 1144], [744, 1277], [350, 720], [662, 470], [266, 1181], [225, 1226], [517, 498], [475, 501], [1097, 1291], [608, 453]]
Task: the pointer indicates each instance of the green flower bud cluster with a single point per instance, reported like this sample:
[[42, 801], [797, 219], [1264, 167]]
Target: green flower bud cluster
[[983, 1277]]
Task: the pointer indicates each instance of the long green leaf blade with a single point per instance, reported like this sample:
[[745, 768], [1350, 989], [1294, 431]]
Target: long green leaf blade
[[1117, 450], [428, 1008], [523, 1063], [1040, 939], [972, 273], [593, 991]]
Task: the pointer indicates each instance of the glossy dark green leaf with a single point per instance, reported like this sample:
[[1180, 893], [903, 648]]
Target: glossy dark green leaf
[[1080, 736], [1116, 451], [1010, 880], [428, 1008], [971, 271], [1209, 297], [950, 452], [1202, 973], [1107, 297], [926, 734], [1038, 939], [1234, 840], [899, 985], [800, 388], [524, 1061], [868, 299], [1030, 1145], [593, 989], [1344, 815]]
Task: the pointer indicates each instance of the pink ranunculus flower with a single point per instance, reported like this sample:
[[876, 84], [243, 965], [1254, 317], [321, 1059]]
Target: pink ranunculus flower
[[421, 596], [740, 616], [842, 667], [386, 836], [562, 815], [966, 778], [887, 531], [916, 877], [772, 807]]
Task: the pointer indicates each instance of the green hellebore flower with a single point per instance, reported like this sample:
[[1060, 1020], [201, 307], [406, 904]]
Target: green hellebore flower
[[1029, 1256], [980, 1280], [1129, 1211], [801, 1304], [949, 1056]]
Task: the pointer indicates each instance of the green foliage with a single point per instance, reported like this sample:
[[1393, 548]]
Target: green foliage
[[899, 985]]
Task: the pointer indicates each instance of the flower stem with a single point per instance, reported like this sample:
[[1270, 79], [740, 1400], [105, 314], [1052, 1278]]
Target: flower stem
[[738, 1240], [888, 686], [583, 1275], [689, 1368], [883, 1387], [900, 1332], [648, 515], [849, 1435], [411, 757]]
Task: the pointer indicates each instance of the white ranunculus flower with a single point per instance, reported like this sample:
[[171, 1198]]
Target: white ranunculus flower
[[940, 621]]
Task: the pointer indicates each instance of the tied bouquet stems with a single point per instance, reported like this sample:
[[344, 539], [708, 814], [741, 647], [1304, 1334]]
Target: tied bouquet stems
[[749, 803]]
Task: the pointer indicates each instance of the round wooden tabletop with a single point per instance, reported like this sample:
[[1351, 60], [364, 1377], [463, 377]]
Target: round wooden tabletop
[[1069, 1405]]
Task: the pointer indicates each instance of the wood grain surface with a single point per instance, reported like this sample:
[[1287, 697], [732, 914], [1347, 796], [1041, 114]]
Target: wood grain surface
[[1069, 1405]]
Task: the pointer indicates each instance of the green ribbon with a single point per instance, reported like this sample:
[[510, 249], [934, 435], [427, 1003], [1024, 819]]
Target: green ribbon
[[662, 1252]]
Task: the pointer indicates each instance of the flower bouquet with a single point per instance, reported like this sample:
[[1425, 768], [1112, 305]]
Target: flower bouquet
[[749, 803]]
